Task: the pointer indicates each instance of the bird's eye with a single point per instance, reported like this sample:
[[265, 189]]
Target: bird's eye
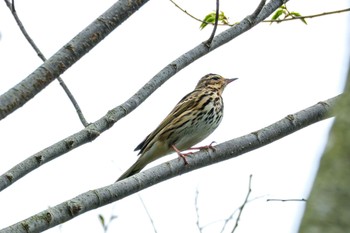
[[216, 78]]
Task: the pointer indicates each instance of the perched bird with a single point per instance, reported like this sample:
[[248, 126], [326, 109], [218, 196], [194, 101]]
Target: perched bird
[[194, 118]]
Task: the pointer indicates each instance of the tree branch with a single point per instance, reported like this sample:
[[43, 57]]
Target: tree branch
[[244, 204], [208, 42], [99, 197], [42, 57], [257, 11], [200, 228], [265, 21], [148, 214], [197, 211], [81, 44], [95, 129], [193, 17], [284, 200], [307, 16]]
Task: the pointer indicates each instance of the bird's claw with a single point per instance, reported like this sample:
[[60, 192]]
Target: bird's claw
[[183, 156], [210, 146]]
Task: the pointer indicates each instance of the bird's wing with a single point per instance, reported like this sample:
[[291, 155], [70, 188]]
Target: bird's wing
[[185, 104]]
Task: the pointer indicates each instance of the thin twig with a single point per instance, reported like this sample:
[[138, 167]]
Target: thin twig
[[240, 209], [148, 214], [197, 211], [307, 16], [198, 19], [283, 200], [244, 203], [208, 42], [183, 10], [200, 228], [265, 21], [11, 6]]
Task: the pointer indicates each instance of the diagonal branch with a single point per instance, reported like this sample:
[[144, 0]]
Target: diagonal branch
[[257, 11], [99, 197], [95, 129], [81, 44], [43, 58]]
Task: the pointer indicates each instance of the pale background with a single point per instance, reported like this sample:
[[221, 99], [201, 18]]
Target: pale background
[[282, 69]]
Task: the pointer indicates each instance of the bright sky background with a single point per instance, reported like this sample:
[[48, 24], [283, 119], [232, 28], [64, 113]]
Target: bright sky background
[[282, 69]]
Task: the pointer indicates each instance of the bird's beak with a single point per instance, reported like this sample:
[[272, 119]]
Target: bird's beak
[[229, 80]]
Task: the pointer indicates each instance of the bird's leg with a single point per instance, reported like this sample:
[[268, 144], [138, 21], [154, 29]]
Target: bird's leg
[[210, 146], [181, 155]]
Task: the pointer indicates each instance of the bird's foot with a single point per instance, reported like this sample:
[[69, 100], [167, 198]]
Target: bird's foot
[[181, 155], [210, 146]]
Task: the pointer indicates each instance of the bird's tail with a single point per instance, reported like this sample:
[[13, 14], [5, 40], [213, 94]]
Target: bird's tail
[[135, 168]]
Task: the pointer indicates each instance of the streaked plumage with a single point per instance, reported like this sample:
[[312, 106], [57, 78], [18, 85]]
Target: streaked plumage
[[194, 118]]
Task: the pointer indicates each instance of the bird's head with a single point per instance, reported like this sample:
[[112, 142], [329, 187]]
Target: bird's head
[[214, 81]]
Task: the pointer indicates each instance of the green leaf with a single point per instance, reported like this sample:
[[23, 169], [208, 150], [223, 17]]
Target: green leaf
[[278, 14], [222, 18], [210, 18], [283, 7], [298, 15]]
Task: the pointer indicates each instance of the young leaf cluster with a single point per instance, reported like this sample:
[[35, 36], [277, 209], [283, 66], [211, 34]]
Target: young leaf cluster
[[283, 13], [210, 19]]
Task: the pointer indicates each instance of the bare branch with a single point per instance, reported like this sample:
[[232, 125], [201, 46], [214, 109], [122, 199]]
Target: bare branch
[[42, 57], [200, 228], [244, 203], [283, 200], [99, 197], [74, 102], [197, 211], [11, 6], [81, 44], [193, 17], [95, 129], [240, 209], [257, 11], [148, 214]]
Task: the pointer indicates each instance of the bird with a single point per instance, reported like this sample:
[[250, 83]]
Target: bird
[[194, 118]]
